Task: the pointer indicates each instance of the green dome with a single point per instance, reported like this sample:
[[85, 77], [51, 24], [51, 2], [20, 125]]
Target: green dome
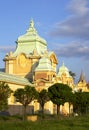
[[44, 64], [30, 41], [63, 69], [31, 35]]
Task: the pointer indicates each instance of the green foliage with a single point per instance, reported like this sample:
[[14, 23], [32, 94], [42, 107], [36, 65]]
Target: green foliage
[[25, 96], [5, 92], [59, 94], [43, 98], [81, 102], [72, 74]]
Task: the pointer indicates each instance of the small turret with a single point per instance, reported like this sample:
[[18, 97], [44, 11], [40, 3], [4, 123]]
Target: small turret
[[82, 83], [63, 69]]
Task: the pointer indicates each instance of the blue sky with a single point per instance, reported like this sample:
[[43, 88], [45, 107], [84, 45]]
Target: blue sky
[[64, 24]]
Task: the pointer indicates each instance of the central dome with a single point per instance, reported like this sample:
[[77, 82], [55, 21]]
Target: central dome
[[30, 41], [31, 35]]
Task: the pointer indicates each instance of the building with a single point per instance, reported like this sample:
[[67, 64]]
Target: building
[[82, 84], [32, 64]]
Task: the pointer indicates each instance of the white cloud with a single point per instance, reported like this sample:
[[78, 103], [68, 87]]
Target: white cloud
[[75, 27], [6, 49], [74, 49], [77, 24], [78, 7]]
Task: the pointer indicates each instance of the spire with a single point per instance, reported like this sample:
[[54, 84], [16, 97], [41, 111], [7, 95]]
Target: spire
[[31, 23], [31, 28], [82, 78]]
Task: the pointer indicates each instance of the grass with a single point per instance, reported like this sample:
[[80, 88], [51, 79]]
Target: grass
[[48, 123]]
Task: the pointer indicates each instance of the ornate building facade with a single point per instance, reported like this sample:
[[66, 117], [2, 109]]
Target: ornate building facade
[[82, 84], [32, 64]]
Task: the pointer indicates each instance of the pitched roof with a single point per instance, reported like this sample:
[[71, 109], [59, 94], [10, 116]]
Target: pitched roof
[[9, 78]]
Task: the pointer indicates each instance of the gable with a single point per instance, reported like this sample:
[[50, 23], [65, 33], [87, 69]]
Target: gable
[[53, 57]]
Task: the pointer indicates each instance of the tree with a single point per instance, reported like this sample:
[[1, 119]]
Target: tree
[[59, 94], [81, 102], [25, 96], [43, 98], [72, 74], [5, 92]]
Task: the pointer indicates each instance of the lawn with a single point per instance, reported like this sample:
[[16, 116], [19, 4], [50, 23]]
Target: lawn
[[70, 123]]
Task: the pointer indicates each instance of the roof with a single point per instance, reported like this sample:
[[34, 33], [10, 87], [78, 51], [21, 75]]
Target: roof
[[53, 56], [44, 64], [30, 41], [31, 34], [13, 79], [63, 69]]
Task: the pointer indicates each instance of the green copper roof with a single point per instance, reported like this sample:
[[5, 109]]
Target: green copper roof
[[30, 41], [44, 64], [31, 35], [63, 69], [13, 79]]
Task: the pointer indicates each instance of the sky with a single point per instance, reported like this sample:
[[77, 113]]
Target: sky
[[64, 24]]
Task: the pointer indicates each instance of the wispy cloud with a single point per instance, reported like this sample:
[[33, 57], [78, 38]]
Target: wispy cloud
[[74, 49], [78, 7], [76, 27], [6, 49], [77, 24]]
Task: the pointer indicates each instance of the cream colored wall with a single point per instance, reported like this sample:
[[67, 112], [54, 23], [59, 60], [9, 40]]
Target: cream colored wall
[[22, 65], [10, 67], [6, 66], [82, 86], [48, 107]]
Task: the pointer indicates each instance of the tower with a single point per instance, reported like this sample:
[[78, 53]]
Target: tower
[[30, 47], [81, 86]]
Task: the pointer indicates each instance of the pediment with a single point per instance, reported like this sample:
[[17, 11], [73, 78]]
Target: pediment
[[53, 57]]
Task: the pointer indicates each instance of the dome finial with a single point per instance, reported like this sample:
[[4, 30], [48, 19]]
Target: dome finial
[[32, 23]]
